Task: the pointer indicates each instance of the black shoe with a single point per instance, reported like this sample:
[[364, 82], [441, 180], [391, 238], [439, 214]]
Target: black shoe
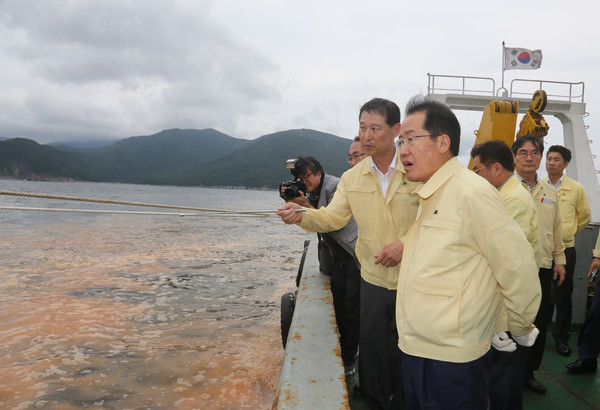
[[535, 386], [563, 348], [578, 367]]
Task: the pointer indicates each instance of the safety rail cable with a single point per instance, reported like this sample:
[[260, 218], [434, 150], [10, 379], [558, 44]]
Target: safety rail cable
[[223, 212]]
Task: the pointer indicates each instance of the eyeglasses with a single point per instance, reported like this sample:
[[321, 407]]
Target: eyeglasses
[[478, 170], [305, 177], [355, 157], [410, 141], [525, 154]]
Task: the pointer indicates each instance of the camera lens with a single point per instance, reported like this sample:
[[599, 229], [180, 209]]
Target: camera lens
[[291, 192]]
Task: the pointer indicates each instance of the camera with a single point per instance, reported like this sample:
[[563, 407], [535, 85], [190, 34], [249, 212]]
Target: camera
[[293, 187]]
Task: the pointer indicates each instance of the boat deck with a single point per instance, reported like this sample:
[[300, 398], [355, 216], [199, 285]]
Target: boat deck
[[312, 371], [565, 391]]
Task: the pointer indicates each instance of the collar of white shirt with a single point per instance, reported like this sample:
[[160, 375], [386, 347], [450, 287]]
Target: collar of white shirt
[[558, 183], [385, 179]]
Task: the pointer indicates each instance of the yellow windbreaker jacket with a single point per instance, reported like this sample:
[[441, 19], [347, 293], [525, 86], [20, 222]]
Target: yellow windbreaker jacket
[[380, 220], [467, 270], [549, 224], [575, 212], [521, 208]]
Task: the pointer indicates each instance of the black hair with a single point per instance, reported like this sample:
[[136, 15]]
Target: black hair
[[384, 107], [494, 151], [302, 163], [537, 141], [439, 119], [564, 152]]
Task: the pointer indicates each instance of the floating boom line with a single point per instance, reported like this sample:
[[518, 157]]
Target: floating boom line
[[200, 211], [89, 211]]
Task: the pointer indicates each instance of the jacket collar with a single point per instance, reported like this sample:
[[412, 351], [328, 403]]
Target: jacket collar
[[441, 176]]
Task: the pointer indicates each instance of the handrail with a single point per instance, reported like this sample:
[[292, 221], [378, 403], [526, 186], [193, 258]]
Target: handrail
[[540, 86], [570, 95], [431, 88]]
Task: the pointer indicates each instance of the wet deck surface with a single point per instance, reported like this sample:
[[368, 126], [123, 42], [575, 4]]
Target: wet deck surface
[[565, 391]]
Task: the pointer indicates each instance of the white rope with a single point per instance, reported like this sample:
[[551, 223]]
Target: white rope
[[108, 201], [100, 211], [203, 211], [96, 211]]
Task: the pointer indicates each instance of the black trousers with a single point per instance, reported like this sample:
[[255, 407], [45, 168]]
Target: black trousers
[[380, 359], [434, 384], [562, 299], [536, 352], [506, 371], [588, 344], [345, 289]]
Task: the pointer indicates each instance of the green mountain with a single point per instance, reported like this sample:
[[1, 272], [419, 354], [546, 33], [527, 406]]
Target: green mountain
[[262, 163], [24, 158], [143, 158], [177, 157]]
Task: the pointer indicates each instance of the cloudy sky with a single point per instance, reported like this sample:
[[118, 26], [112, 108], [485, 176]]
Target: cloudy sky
[[86, 69]]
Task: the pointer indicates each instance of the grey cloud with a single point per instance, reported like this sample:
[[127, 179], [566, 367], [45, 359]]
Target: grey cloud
[[115, 65]]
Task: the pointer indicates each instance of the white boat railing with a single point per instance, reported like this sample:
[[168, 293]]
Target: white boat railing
[[465, 84], [519, 87], [573, 92]]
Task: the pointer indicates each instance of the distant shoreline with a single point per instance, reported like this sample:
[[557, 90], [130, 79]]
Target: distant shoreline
[[55, 179]]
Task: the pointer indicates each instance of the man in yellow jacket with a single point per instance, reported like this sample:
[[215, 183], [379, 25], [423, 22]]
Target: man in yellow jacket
[[376, 192], [575, 214], [527, 151], [493, 160], [467, 269]]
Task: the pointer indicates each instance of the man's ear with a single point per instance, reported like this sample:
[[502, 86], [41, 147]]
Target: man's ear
[[443, 143], [397, 129]]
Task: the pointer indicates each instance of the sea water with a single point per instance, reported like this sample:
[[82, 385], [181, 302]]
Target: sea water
[[130, 311]]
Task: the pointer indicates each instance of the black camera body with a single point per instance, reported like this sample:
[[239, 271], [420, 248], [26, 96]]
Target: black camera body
[[293, 187]]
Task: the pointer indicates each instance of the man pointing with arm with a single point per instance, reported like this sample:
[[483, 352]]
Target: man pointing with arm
[[378, 195]]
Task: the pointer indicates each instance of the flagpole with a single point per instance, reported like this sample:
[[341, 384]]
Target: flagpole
[[503, 63]]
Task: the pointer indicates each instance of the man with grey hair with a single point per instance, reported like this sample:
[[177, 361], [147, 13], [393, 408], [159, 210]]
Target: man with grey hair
[[527, 153]]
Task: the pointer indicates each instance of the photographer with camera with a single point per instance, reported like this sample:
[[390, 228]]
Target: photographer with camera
[[311, 187]]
